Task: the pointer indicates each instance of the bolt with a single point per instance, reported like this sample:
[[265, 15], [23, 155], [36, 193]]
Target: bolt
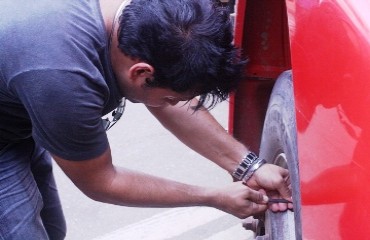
[[251, 224]]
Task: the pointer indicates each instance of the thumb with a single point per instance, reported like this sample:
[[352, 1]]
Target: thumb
[[257, 197]]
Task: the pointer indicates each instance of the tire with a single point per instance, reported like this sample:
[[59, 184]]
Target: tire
[[279, 146]]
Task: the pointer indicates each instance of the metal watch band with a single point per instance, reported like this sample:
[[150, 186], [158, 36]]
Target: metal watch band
[[252, 169], [245, 164]]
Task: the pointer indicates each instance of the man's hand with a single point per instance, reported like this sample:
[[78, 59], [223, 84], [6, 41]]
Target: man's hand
[[275, 181], [239, 200]]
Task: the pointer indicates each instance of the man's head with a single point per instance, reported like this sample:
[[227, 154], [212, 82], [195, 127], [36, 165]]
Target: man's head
[[188, 43]]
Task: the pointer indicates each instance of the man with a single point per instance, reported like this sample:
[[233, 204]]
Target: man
[[66, 63]]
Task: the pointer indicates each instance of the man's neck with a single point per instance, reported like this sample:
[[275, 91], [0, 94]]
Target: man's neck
[[121, 63], [109, 9]]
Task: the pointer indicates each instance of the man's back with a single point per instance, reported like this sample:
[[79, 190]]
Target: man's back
[[53, 59]]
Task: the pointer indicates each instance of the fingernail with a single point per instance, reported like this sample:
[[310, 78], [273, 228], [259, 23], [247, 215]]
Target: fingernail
[[265, 198]]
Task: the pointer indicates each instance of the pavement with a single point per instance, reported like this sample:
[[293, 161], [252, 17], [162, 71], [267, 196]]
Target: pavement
[[139, 142]]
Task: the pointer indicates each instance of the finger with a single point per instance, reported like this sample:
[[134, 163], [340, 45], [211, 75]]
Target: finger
[[290, 206], [256, 208], [257, 197], [274, 207], [263, 191], [284, 190], [276, 203], [284, 172], [260, 208], [280, 207], [287, 180]]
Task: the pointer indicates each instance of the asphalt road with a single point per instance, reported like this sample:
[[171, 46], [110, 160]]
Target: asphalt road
[[139, 142]]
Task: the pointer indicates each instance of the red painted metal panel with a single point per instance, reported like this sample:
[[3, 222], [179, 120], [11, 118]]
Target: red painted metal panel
[[238, 40], [330, 58], [261, 32], [330, 46]]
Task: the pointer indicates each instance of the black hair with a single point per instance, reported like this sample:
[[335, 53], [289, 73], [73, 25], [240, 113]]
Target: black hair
[[188, 42]]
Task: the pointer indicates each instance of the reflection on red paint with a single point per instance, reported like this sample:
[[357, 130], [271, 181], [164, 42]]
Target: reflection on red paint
[[330, 59]]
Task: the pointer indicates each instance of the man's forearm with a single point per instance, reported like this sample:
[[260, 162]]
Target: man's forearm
[[131, 188], [138, 189], [201, 132], [102, 181]]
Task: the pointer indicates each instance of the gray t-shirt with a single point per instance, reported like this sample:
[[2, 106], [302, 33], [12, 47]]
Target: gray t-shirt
[[56, 80]]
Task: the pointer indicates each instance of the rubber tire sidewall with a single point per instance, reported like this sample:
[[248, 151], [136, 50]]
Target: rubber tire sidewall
[[280, 136]]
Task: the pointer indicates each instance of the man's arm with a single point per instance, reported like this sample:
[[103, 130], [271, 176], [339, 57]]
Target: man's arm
[[102, 181], [201, 132]]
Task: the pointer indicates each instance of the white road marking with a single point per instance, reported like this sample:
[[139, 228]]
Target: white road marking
[[166, 225]]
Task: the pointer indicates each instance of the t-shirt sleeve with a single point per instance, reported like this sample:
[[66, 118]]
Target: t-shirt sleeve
[[65, 110]]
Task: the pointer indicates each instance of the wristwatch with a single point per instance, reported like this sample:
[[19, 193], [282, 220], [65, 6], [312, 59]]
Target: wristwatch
[[245, 164]]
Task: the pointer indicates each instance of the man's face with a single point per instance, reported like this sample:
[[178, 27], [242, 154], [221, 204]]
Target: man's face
[[132, 75]]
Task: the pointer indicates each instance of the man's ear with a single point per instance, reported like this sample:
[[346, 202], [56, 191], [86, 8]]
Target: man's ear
[[141, 71]]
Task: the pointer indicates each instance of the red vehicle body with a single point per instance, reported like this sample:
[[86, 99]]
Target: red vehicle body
[[326, 45]]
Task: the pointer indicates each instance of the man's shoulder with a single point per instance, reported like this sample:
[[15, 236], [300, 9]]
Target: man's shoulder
[[67, 35], [50, 29]]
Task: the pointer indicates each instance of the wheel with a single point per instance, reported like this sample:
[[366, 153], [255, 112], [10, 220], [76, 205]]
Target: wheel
[[279, 146]]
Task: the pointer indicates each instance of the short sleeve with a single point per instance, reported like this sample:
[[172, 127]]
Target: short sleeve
[[65, 109]]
